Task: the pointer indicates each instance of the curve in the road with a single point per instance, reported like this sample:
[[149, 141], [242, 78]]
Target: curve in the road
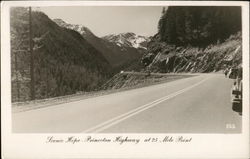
[[120, 118]]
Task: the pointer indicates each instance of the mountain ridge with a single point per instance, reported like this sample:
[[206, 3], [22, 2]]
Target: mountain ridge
[[118, 56], [77, 27]]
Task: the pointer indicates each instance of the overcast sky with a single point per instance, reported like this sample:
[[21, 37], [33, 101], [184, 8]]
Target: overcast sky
[[103, 20]]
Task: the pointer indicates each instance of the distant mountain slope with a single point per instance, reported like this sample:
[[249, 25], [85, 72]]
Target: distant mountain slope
[[65, 62], [119, 56]]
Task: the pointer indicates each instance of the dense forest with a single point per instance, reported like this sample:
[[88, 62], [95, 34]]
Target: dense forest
[[64, 62], [198, 26]]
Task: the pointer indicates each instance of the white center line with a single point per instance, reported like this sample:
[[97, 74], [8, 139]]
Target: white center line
[[122, 117]]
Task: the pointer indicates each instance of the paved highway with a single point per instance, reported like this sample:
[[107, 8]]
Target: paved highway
[[199, 104]]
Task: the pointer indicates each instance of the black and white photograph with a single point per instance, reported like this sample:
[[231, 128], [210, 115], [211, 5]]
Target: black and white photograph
[[170, 69], [127, 69]]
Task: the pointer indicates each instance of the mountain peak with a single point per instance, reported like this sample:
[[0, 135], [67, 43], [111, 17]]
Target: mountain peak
[[128, 39], [61, 22], [58, 20], [77, 27]]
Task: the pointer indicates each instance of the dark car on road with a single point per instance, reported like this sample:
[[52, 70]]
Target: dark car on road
[[236, 91]]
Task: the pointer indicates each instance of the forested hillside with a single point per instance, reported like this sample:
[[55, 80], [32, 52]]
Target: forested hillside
[[196, 39], [64, 62], [200, 26]]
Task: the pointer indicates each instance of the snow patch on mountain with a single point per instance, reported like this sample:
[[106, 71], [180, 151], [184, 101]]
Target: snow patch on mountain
[[128, 40], [122, 40], [77, 27]]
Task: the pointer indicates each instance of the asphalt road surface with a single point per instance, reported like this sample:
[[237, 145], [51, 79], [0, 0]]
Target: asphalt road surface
[[199, 104]]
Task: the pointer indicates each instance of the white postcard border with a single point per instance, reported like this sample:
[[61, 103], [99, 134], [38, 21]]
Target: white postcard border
[[202, 145]]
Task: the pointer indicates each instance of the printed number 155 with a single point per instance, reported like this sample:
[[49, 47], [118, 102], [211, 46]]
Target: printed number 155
[[230, 126]]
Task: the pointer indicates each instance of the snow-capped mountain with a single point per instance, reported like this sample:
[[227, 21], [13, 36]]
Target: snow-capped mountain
[[122, 40], [77, 27], [128, 40], [119, 55]]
